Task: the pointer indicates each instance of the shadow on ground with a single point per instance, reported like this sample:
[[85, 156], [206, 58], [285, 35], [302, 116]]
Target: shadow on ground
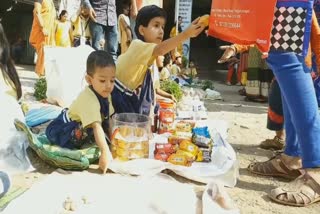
[[252, 149]]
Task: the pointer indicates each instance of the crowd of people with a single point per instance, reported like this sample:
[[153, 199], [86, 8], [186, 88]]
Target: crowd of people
[[126, 83], [134, 86], [81, 22]]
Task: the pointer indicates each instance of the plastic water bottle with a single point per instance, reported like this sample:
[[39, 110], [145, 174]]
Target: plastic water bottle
[[196, 115]]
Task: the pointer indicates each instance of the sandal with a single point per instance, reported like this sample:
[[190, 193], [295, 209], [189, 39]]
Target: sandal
[[275, 168], [300, 193], [275, 144]]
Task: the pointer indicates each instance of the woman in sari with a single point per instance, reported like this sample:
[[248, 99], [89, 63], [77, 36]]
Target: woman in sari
[[42, 32]]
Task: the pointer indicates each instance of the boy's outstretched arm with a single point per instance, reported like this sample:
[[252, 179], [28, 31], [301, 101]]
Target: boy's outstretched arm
[[100, 139], [164, 94], [192, 31]]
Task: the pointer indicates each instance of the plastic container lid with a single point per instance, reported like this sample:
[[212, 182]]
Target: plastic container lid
[[165, 104]]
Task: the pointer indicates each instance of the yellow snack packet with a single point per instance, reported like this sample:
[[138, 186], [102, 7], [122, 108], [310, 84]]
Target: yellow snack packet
[[188, 146]]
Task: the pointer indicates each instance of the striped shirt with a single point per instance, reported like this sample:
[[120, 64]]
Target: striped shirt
[[105, 11]]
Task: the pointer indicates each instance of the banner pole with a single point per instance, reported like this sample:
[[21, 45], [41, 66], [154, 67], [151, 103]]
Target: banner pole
[[177, 15]]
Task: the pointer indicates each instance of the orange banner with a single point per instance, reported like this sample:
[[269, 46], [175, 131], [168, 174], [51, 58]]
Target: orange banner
[[243, 22]]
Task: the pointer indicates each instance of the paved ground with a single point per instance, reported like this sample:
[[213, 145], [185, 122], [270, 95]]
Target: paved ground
[[247, 123]]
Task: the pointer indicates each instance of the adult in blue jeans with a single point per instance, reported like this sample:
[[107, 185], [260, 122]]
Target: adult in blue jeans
[[302, 125], [301, 158], [103, 25]]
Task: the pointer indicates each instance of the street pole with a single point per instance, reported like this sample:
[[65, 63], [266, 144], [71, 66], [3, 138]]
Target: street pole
[[177, 15]]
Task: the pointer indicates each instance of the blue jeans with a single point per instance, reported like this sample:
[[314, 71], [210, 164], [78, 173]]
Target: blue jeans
[[275, 108], [300, 108], [109, 34]]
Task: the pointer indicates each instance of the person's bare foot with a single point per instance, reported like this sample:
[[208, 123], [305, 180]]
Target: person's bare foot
[[314, 173], [291, 162]]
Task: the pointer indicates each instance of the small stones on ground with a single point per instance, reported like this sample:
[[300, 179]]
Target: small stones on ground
[[244, 127]]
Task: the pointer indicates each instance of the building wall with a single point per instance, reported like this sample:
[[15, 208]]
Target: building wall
[[204, 51], [18, 24]]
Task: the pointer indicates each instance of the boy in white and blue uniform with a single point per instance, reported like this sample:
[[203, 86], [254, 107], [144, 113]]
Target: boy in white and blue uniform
[[88, 115], [134, 89]]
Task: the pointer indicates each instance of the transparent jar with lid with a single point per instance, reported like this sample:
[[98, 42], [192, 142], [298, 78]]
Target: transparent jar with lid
[[130, 136]]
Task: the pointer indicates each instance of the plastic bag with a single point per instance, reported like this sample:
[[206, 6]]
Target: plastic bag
[[216, 200], [4, 183], [212, 95], [13, 144], [65, 73]]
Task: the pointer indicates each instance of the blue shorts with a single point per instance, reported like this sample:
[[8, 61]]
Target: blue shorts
[[67, 133]]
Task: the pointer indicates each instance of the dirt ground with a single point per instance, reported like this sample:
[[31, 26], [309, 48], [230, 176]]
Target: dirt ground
[[247, 122]]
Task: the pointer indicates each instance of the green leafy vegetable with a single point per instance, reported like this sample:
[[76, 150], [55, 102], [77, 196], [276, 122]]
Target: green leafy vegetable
[[172, 88], [207, 84], [40, 89]]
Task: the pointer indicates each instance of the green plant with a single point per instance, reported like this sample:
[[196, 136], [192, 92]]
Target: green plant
[[207, 84], [40, 89], [172, 88], [185, 62]]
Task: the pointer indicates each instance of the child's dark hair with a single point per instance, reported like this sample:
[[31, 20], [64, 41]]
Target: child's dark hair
[[63, 12], [99, 59], [144, 16], [125, 4], [6, 63]]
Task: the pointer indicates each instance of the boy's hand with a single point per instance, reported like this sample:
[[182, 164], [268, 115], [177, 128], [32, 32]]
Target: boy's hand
[[103, 163], [195, 28], [173, 98], [101, 142]]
